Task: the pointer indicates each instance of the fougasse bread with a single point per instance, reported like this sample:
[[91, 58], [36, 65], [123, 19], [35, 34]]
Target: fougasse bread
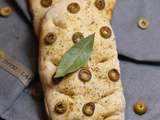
[[95, 91]]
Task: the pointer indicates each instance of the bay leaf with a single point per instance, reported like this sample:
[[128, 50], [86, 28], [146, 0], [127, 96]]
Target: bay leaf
[[76, 57]]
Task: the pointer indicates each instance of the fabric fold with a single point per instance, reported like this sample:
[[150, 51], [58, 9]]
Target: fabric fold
[[25, 108], [18, 42]]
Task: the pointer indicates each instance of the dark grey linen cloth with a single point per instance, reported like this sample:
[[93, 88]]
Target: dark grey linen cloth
[[18, 41], [140, 81], [136, 43]]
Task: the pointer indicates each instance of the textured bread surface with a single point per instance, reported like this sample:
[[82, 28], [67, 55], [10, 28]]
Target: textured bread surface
[[38, 11], [105, 94]]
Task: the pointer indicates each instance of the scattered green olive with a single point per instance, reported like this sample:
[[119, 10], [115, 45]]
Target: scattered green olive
[[77, 37], [50, 38], [100, 4], [114, 75], [5, 11], [85, 75], [143, 23], [60, 108], [46, 3], [73, 7], [105, 32], [88, 109], [140, 107]]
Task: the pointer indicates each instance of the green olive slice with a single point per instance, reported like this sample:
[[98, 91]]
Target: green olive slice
[[105, 32], [140, 107], [73, 7], [114, 75], [100, 4], [50, 38], [46, 3]]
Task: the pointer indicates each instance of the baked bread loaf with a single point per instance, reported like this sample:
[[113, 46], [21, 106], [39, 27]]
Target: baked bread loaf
[[95, 91]]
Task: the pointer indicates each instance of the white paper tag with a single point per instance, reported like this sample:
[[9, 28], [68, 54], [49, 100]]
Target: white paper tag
[[18, 70]]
